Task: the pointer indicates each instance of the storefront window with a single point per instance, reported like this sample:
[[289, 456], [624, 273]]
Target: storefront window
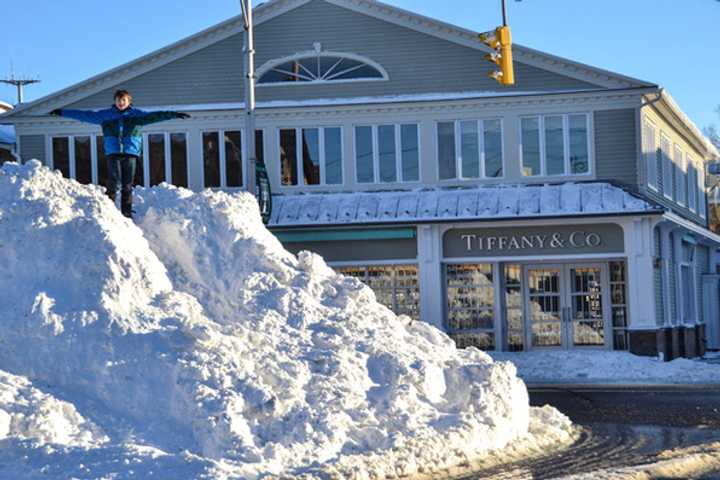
[[395, 286], [514, 308], [471, 305], [618, 295]]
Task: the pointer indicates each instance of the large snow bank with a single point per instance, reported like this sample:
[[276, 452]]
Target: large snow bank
[[198, 343]]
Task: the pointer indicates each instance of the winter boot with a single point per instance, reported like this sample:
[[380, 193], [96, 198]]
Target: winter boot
[[126, 204]]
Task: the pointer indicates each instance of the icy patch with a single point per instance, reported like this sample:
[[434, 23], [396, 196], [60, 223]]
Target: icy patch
[[211, 352]]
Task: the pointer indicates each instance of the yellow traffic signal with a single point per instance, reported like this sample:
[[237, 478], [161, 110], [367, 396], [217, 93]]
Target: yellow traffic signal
[[500, 41]]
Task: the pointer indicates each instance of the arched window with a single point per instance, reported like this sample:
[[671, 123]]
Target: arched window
[[319, 66]]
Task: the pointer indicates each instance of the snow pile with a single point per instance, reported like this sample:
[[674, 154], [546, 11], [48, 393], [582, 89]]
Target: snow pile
[[198, 342], [603, 367]]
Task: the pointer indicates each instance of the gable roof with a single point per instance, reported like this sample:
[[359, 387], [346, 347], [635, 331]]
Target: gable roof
[[274, 8]]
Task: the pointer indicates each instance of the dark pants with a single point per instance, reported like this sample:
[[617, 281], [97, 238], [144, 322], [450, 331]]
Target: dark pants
[[121, 173]]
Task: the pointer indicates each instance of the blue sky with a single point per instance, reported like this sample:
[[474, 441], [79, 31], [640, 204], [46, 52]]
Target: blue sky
[[670, 42]]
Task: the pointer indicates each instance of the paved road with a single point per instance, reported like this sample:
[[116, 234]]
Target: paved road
[[623, 427]]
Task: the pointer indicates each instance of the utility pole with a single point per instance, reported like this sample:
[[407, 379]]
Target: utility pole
[[249, 69], [19, 83], [258, 182]]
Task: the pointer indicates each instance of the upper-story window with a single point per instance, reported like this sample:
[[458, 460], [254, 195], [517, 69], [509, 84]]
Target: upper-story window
[[311, 156], [702, 207], [692, 185], [667, 167], [650, 152], [387, 153], [680, 177], [470, 149], [223, 157], [555, 145], [318, 66]]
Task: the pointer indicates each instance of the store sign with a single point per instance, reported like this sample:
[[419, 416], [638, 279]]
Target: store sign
[[546, 240]]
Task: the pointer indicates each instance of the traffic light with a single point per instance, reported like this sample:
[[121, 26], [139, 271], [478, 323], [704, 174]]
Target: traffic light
[[500, 41]]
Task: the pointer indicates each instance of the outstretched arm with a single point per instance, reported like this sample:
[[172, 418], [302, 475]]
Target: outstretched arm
[[87, 116], [147, 118]]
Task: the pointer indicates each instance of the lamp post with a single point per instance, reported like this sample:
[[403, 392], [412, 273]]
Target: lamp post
[[257, 178]]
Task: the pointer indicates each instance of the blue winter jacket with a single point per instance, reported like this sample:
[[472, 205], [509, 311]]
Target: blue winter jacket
[[121, 128]]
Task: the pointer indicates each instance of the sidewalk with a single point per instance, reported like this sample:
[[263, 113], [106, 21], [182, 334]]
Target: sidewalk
[[606, 369]]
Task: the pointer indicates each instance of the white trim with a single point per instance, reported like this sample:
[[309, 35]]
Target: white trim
[[693, 227], [272, 64], [647, 122]]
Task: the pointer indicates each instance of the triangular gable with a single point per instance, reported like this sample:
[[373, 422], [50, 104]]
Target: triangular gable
[[275, 8]]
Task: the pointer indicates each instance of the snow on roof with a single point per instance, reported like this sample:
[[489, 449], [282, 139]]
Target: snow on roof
[[494, 202], [7, 134]]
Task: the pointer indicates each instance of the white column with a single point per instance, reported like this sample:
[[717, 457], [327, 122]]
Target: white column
[[639, 244], [432, 297], [666, 255], [678, 314], [195, 163]]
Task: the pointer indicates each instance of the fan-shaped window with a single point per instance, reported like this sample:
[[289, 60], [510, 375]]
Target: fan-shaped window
[[317, 67]]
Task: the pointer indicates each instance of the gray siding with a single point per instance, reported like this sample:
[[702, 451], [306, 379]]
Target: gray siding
[[33, 146], [659, 297], [616, 144], [673, 282], [416, 63], [701, 261]]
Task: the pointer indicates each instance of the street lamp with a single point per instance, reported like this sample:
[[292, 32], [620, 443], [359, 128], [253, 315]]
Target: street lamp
[[258, 182]]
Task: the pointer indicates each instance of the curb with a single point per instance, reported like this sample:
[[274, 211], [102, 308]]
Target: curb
[[623, 386]]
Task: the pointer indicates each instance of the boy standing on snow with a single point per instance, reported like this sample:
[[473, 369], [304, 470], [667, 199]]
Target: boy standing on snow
[[121, 126]]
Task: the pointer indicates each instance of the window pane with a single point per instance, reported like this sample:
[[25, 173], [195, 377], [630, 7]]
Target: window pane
[[288, 157], [233, 158], [311, 156], [469, 149], [531, 146], [410, 153], [387, 154], [364, 155], [680, 176], [446, 150], [554, 146], [61, 155], [667, 167], [211, 159], [156, 153], [692, 186], [178, 156], [493, 149], [651, 155], [83, 160], [139, 172], [101, 161], [579, 157], [333, 156]]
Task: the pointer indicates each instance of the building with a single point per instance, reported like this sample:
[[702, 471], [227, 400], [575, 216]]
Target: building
[[566, 212], [7, 138]]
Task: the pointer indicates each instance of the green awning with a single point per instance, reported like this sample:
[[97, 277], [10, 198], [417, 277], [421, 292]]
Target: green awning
[[339, 235]]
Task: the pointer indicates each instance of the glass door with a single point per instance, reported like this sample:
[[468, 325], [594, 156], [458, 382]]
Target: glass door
[[544, 306], [565, 306], [586, 319]]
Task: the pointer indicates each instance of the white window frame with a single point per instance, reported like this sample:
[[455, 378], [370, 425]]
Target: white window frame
[[680, 171], [299, 159], [650, 156], [481, 148], [72, 168], [318, 53], [399, 178], [223, 157], [668, 173], [167, 152], [566, 145]]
